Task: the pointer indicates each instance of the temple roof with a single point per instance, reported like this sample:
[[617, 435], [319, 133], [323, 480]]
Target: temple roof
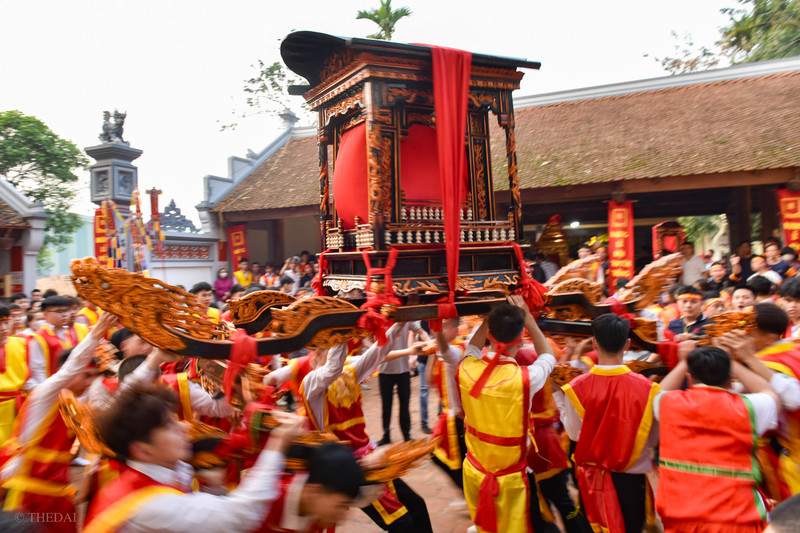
[[10, 218], [744, 118]]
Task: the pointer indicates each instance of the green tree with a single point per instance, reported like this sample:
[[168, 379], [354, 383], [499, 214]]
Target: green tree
[[763, 29], [698, 227], [40, 165], [385, 17]]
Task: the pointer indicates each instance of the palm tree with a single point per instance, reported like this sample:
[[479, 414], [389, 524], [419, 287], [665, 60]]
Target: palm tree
[[384, 17]]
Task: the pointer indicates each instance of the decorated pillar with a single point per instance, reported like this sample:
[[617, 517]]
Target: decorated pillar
[[620, 242]]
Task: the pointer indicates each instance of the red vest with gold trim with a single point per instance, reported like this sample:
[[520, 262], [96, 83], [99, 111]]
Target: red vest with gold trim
[[708, 471], [52, 346], [119, 500], [616, 406], [180, 384], [90, 314], [447, 450], [42, 483]]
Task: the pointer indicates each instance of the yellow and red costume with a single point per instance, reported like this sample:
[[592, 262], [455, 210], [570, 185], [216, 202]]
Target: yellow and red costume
[[42, 484], [179, 383], [447, 450], [277, 511], [708, 475], [496, 424], [614, 432], [13, 375], [782, 471], [52, 345], [91, 315], [344, 417], [121, 499], [243, 278]]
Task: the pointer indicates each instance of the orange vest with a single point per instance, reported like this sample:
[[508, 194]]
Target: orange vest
[[42, 482], [120, 500], [13, 375], [708, 470], [616, 407], [496, 432]]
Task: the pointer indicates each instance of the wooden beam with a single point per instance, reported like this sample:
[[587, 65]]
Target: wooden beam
[[593, 191], [272, 214]]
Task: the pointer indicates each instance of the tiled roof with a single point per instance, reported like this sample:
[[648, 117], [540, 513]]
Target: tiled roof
[[9, 217], [726, 126], [290, 178]]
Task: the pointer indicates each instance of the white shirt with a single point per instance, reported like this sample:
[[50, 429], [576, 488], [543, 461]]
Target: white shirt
[[572, 423], [241, 510], [290, 517], [693, 269], [400, 365], [453, 354], [45, 396], [317, 381], [36, 361], [202, 402], [771, 275]]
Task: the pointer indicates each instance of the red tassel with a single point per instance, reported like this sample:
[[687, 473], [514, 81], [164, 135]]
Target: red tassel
[[531, 290], [244, 351], [316, 283], [376, 324]]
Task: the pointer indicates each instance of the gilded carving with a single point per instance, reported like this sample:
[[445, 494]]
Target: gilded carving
[[334, 64], [591, 290], [651, 282], [480, 179], [147, 306], [248, 308], [408, 96], [386, 175]]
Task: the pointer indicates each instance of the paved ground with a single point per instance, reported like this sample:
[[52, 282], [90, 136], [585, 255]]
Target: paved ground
[[445, 502]]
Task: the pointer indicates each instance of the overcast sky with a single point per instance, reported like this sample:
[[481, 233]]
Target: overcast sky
[[177, 67]]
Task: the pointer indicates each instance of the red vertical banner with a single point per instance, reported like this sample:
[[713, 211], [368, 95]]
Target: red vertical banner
[[101, 236], [789, 204], [620, 242], [237, 244]]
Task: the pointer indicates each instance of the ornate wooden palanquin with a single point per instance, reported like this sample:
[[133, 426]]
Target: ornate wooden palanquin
[[388, 88]]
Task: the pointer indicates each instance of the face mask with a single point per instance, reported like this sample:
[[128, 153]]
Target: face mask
[[223, 274]]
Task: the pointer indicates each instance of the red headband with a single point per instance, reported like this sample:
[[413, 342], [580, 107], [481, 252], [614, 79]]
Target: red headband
[[501, 348], [690, 296]]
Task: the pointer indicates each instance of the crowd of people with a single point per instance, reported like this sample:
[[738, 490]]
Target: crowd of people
[[712, 447]]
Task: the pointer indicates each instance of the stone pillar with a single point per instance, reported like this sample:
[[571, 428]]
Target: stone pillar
[[113, 176]]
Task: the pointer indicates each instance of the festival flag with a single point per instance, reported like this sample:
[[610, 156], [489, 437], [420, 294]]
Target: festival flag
[[237, 242], [101, 236], [620, 242], [789, 203]]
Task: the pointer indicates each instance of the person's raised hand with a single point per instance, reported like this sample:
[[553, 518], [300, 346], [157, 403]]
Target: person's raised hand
[[291, 426], [685, 348], [104, 323], [518, 301], [739, 345]]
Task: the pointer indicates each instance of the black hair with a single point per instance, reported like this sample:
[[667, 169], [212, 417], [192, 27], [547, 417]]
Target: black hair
[[48, 293], [788, 250], [785, 518], [760, 285], [200, 287], [237, 288], [689, 290], [63, 356], [621, 282], [688, 243], [242, 259], [18, 296], [611, 332], [120, 336], [710, 294], [506, 322], [771, 243], [285, 280], [5, 311], [128, 365], [710, 365], [254, 287], [771, 319], [35, 290], [675, 289], [14, 307], [334, 467], [133, 415], [790, 288], [55, 301]]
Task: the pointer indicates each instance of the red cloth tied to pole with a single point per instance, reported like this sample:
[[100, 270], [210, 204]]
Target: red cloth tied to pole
[[531, 290], [501, 348], [485, 511], [245, 350], [372, 320], [451, 75], [601, 502]]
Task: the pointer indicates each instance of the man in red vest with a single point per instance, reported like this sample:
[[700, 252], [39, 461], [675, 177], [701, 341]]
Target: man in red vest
[[610, 415], [708, 476], [52, 338], [35, 471], [152, 492]]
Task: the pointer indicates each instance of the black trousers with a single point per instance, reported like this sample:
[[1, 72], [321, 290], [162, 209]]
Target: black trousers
[[456, 475], [631, 494], [555, 492], [416, 520], [387, 383]]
